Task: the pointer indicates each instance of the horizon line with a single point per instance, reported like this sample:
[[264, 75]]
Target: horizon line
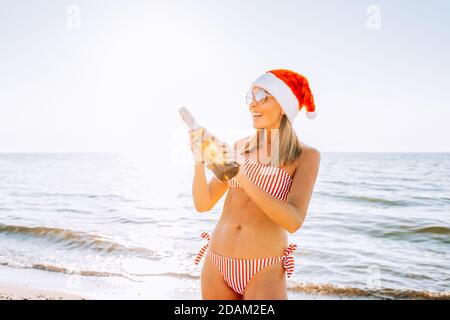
[[124, 152]]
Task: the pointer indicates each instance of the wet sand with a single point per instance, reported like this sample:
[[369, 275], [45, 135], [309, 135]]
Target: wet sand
[[9, 291]]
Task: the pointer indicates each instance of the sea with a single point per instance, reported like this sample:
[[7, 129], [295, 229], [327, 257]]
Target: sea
[[377, 227]]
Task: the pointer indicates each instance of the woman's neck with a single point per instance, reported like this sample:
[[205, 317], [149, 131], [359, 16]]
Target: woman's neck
[[267, 145], [268, 137]]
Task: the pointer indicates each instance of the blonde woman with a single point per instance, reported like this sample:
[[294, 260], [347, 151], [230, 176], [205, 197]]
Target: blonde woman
[[247, 255]]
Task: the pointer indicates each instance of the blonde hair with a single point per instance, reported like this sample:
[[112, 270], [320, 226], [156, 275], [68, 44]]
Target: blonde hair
[[284, 145]]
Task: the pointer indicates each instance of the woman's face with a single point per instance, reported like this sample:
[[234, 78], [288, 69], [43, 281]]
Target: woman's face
[[266, 114]]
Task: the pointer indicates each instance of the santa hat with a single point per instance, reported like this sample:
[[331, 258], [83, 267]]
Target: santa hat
[[290, 89]]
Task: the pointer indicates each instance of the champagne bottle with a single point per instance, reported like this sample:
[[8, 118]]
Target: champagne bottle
[[212, 150]]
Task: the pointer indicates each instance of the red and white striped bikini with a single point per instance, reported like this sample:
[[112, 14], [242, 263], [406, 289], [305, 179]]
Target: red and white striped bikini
[[237, 272], [275, 181]]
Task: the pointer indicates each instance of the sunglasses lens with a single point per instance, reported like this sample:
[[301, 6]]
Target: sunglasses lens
[[260, 95], [249, 97]]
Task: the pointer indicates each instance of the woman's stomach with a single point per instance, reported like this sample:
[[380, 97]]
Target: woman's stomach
[[245, 231]]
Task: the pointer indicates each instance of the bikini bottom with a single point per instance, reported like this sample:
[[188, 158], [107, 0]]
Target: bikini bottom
[[237, 272]]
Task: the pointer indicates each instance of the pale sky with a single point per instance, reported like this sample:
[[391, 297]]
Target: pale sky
[[111, 77]]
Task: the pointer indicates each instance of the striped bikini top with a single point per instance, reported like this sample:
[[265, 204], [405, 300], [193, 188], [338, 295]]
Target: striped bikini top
[[275, 181]]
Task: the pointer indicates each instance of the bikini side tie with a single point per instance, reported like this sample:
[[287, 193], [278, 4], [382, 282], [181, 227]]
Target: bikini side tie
[[204, 235], [288, 259]]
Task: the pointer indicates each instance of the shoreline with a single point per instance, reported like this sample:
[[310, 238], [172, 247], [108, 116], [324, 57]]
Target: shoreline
[[27, 283], [10, 291], [35, 284]]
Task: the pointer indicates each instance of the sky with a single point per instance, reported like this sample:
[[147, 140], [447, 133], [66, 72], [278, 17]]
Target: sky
[[110, 76]]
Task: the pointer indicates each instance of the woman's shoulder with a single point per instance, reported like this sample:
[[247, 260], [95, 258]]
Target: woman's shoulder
[[309, 151], [309, 154]]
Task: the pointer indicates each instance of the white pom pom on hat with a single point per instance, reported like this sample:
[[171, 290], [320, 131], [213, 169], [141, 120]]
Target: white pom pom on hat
[[310, 115], [290, 89]]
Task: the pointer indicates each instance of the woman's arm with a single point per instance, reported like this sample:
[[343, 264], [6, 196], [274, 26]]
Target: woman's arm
[[206, 194], [289, 215]]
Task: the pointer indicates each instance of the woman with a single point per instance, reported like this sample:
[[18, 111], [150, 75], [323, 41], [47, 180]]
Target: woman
[[247, 255]]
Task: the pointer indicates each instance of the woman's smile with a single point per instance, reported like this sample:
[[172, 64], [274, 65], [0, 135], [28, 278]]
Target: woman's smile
[[256, 115]]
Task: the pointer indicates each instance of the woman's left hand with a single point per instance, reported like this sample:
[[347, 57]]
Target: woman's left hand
[[240, 175]]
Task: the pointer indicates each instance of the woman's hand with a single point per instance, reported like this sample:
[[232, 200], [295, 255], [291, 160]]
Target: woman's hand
[[195, 142], [241, 175]]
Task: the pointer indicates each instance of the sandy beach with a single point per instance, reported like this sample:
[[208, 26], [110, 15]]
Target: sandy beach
[[9, 291], [28, 284]]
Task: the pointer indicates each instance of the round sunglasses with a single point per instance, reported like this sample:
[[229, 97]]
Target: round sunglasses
[[260, 96]]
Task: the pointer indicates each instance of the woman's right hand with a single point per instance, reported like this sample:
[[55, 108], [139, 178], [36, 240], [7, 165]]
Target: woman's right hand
[[196, 138]]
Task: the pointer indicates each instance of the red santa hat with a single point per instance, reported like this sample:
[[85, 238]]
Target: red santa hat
[[290, 89]]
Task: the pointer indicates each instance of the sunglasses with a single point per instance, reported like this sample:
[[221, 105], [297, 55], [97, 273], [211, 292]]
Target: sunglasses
[[260, 96]]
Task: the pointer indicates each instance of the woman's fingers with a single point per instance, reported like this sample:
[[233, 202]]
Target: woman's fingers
[[194, 138]]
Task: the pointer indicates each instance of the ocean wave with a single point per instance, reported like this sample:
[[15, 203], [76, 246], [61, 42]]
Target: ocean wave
[[385, 293], [434, 230], [135, 220], [59, 269], [66, 210], [168, 274], [308, 288], [438, 233], [94, 273], [373, 200], [154, 208], [78, 240], [78, 195], [381, 201]]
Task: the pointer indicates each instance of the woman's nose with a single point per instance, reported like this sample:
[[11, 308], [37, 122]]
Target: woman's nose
[[252, 104]]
